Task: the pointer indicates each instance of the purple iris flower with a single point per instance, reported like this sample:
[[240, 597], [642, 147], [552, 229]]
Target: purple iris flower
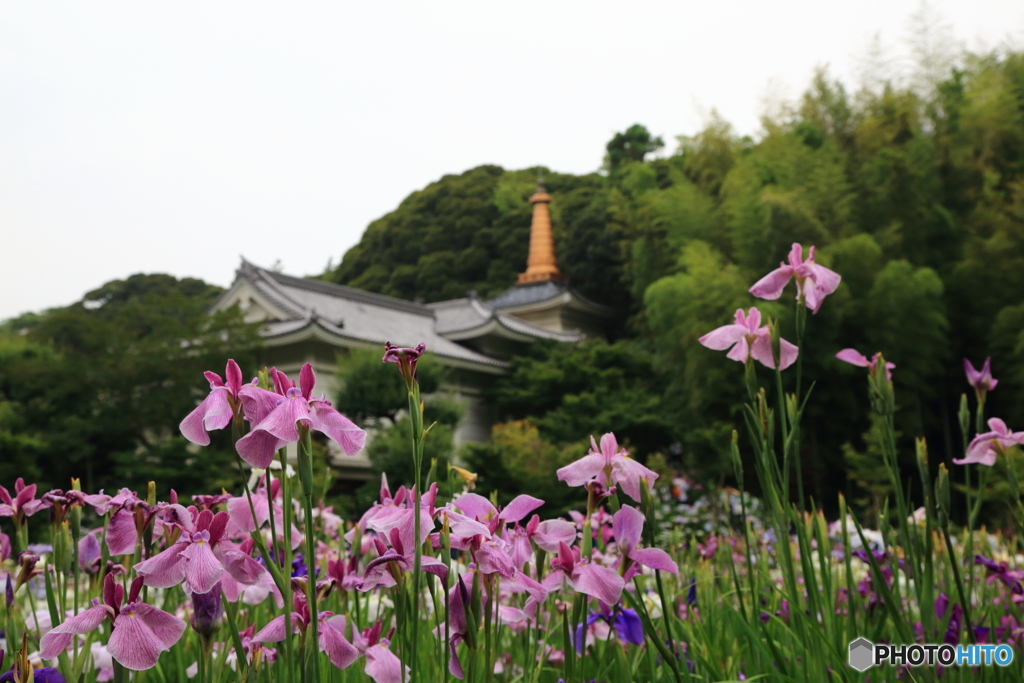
[[276, 418], [855, 357], [609, 464], [217, 409], [1000, 571], [626, 622], [746, 338], [22, 504], [984, 448], [813, 282], [982, 380], [140, 631]]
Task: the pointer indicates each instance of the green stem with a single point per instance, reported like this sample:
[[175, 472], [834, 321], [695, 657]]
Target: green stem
[[306, 479], [416, 425]]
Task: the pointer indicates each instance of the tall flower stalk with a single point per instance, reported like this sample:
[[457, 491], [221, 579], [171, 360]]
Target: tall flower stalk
[[406, 358]]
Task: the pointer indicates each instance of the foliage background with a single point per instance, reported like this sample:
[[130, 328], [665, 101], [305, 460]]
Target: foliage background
[[913, 191]]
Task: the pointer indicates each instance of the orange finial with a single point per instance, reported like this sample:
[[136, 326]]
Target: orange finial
[[541, 263]]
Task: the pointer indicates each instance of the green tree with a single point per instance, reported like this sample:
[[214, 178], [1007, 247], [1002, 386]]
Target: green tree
[[96, 390], [633, 144]]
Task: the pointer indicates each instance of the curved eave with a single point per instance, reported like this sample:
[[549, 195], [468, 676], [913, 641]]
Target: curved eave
[[497, 327], [315, 330], [566, 298]]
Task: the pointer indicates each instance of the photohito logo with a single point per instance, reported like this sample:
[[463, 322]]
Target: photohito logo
[[864, 654]]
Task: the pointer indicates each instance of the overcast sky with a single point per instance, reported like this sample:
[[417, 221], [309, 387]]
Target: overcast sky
[[175, 137]]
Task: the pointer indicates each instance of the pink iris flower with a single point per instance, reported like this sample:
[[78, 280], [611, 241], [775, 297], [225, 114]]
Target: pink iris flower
[[293, 406], [263, 502], [813, 282], [628, 523], [585, 576], [140, 631], [22, 504], [546, 535], [200, 557], [855, 357], [984, 448], [331, 629], [217, 409], [399, 557], [608, 464], [982, 380], [382, 665], [746, 338]]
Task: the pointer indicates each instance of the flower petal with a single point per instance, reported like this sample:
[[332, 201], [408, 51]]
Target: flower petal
[[382, 665], [581, 471], [772, 284], [213, 413], [723, 337], [628, 524], [258, 447], [165, 569], [324, 418], [520, 507], [122, 533], [59, 638], [257, 403], [476, 507], [341, 652], [202, 569], [853, 357], [655, 558], [597, 581], [166, 627], [133, 644]]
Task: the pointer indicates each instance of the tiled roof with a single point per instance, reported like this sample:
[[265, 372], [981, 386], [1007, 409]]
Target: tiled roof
[[460, 315], [521, 295], [364, 316]]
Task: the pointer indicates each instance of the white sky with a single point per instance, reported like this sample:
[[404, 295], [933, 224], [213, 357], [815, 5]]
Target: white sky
[[174, 137]]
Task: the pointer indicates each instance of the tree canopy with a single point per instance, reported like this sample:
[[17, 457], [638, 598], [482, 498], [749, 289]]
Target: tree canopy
[[914, 194], [97, 389]]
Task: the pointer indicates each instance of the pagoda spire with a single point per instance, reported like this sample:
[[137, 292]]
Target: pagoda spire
[[541, 264]]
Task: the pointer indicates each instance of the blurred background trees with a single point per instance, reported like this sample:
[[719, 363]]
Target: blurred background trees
[[912, 189], [97, 389], [913, 192]]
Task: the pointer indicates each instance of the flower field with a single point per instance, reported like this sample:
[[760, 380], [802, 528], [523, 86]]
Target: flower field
[[640, 583]]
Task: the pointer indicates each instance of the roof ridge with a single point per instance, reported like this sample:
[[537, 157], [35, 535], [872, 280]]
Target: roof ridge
[[290, 303], [331, 288], [506, 318]]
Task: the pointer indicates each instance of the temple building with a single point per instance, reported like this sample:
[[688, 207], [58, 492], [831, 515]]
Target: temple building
[[306, 320]]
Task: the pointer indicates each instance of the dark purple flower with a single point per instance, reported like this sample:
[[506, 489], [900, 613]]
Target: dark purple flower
[[626, 622], [956, 619], [207, 611], [982, 380], [1000, 571], [629, 627], [406, 359], [46, 674]]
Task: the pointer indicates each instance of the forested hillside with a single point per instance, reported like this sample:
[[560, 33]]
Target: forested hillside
[[916, 196], [97, 389]]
